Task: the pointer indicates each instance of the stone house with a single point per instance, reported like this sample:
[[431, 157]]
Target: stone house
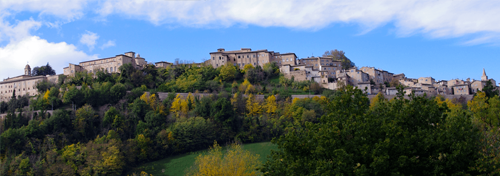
[[110, 64], [23, 84], [246, 56]]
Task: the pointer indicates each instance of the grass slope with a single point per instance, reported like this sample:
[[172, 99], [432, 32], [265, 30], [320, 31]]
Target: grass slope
[[177, 165]]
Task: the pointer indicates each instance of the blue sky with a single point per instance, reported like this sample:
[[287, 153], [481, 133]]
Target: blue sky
[[442, 39]]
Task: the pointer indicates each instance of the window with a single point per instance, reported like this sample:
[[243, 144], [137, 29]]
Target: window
[[248, 56], [219, 57], [217, 65], [238, 57], [213, 58]]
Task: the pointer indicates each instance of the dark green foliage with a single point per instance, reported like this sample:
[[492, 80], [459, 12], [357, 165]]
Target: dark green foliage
[[139, 108], [490, 89], [222, 112], [193, 134], [117, 92], [155, 122], [3, 107], [44, 85], [404, 137], [43, 70], [109, 116], [203, 107]]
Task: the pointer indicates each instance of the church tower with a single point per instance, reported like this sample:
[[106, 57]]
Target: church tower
[[27, 70], [484, 77]]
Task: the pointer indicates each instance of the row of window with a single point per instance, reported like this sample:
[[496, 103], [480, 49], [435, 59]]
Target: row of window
[[102, 61]]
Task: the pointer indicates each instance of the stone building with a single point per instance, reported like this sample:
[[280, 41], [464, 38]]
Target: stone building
[[378, 76], [163, 64], [246, 56], [23, 84], [461, 89], [110, 64], [480, 84]]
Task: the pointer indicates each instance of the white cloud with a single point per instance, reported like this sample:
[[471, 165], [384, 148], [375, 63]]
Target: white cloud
[[437, 19], [38, 52], [89, 39], [64, 9], [108, 44], [24, 47]]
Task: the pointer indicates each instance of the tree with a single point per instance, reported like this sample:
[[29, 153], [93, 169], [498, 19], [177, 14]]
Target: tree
[[253, 106], [85, 121], [490, 89], [43, 70], [271, 105], [379, 98], [395, 83], [339, 55], [117, 92], [234, 162], [227, 72], [248, 67], [352, 139]]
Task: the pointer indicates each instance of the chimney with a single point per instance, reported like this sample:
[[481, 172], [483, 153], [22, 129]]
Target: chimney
[[221, 50], [246, 49]]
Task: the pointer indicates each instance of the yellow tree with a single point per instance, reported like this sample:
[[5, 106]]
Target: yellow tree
[[46, 97], [479, 106], [227, 72], [244, 85], [248, 67], [176, 104], [184, 107], [234, 162], [377, 99], [250, 89], [271, 104], [190, 97], [253, 107]]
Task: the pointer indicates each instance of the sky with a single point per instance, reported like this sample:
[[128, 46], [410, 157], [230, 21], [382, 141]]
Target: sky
[[444, 39]]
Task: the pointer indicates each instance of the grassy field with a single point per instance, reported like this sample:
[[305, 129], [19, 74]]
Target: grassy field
[[177, 165]]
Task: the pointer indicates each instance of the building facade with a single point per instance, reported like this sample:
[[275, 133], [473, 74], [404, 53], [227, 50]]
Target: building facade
[[23, 84], [110, 65], [246, 56]]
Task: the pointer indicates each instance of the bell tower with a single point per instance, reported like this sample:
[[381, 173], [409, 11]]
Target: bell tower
[[484, 77], [27, 70]]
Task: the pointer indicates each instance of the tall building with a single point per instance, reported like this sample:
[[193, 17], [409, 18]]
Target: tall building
[[110, 64], [23, 84], [246, 56]]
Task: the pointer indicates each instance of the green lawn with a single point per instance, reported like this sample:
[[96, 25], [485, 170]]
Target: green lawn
[[177, 165]]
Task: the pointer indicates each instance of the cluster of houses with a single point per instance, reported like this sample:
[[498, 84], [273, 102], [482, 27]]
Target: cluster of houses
[[327, 71]]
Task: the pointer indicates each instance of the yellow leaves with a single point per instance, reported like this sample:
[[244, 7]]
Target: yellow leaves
[[46, 96], [227, 72], [377, 99], [179, 106], [234, 162], [271, 104], [250, 89], [176, 104], [248, 67], [253, 106], [295, 100]]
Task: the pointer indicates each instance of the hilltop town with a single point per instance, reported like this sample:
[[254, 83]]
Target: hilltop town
[[328, 71]]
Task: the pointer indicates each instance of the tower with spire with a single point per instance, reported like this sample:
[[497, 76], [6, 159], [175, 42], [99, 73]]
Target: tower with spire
[[484, 77], [27, 70]]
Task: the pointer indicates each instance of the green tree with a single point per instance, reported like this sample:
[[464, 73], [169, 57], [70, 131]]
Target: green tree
[[352, 139], [227, 72]]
